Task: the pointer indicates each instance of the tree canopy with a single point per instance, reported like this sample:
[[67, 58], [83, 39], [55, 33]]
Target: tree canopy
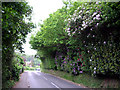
[[81, 37], [16, 24]]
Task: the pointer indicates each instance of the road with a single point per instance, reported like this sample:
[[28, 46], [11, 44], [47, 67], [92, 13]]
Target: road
[[37, 79]]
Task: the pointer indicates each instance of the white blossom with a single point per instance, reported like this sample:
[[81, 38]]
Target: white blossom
[[72, 18], [87, 12], [97, 24], [90, 59], [80, 11], [74, 14], [69, 34], [94, 18], [94, 68], [3, 11], [94, 14], [98, 17], [78, 8], [97, 2], [104, 42], [69, 19], [94, 72], [68, 29], [79, 16], [75, 11], [85, 3], [73, 32]]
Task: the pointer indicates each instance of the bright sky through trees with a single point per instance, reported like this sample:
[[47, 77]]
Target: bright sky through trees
[[41, 11]]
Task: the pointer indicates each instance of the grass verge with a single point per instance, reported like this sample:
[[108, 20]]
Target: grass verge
[[85, 79]]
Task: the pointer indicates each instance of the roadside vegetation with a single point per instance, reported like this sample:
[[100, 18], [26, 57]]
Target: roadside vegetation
[[36, 68], [79, 42], [85, 80], [14, 31], [81, 39]]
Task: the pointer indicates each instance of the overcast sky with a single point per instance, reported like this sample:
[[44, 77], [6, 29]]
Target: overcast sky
[[41, 11]]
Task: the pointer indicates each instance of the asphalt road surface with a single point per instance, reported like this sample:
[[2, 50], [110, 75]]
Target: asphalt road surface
[[37, 79]]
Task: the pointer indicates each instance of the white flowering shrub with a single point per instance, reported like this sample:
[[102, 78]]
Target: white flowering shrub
[[94, 29]]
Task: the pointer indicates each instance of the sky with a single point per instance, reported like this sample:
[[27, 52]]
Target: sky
[[41, 11]]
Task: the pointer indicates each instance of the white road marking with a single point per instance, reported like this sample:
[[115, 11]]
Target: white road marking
[[55, 85], [45, 78]]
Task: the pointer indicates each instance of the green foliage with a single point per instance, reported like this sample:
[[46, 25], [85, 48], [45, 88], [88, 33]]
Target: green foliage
[[29, 68], [51, 37], [83, 79], [9, 84], [106, 61], [12, 75], [16, 25], [93, 29], [36, 62], [52, 31], [81, 37]]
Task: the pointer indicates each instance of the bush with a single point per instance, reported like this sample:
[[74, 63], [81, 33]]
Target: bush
[[8, 84], [89, 41], [94, 29], [106, 61]]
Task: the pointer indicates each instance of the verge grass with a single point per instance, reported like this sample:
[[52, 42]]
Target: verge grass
[[83, 79]]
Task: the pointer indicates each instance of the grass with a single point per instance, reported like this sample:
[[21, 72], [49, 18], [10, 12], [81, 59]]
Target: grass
[[88, 81], [85, 79]]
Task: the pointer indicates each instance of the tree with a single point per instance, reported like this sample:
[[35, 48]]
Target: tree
[[87, 41], [94, 29], [16, 24]]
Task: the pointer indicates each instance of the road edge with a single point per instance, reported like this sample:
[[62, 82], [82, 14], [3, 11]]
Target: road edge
[[67, 80]]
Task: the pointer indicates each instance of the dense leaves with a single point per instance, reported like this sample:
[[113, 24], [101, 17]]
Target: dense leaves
[[86, 40], [92, 29], [13, 75], [16, 25]]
